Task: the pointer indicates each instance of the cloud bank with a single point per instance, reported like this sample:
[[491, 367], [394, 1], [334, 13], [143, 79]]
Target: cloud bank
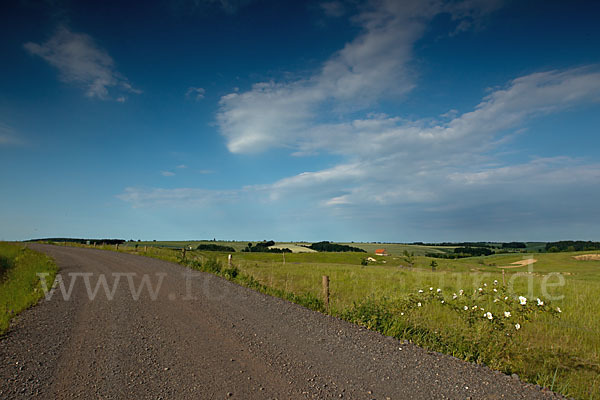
[[441, 175]]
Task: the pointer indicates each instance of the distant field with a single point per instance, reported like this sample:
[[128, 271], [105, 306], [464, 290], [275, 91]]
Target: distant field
[[395, 249], [391, 248], [295, 248], [398, 249]]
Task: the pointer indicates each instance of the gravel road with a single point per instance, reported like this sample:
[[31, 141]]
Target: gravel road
[[202, 337]]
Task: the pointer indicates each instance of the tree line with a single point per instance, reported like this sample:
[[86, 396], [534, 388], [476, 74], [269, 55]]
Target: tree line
[[326, 246], [572, 245], [264, 247]]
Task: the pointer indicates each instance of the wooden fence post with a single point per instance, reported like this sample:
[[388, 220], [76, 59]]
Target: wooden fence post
[[145, 248], [183, 254], [503, 281], [326, 291], [117, 246], [229, 260]]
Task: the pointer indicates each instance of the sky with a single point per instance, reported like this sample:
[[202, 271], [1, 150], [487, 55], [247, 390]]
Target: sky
[[376, 120]]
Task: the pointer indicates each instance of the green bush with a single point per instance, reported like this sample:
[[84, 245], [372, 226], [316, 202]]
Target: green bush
[[212, 265]]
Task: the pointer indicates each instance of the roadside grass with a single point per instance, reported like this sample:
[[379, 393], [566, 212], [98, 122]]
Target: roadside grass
[[560, 351], [19, 285]]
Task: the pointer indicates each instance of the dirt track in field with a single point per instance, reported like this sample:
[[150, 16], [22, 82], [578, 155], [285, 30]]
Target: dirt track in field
[[203, 337]]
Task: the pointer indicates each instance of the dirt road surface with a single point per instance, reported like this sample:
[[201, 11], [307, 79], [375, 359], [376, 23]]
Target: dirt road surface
[[225, 342]]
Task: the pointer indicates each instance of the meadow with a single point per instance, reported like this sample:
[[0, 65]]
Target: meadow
[[19, 285], [552, 340]]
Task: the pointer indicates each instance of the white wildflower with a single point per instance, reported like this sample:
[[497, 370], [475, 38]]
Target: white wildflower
[[420, 290], [507, 314], [439, 290], [485, 284], [540, 303], [489, 315], [480, 289], [496, 300], [495, 282], [443, 301], [495, 290], [419, 304], [517, 326], [465, 308], [460, 292], [558, 309], [430, 288], [506, 298], [522, 300], [474, 307], [454, 296], [401, 313]]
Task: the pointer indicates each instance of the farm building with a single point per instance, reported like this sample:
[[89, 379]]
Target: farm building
[[381, 252]]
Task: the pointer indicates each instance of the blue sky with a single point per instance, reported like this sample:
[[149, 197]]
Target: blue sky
[[318, 120]]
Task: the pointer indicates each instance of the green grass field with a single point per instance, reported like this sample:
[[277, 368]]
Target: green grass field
[[19, 285], [562, 353]]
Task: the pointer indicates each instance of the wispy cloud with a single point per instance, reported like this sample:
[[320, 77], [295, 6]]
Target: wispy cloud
[[167, 173], [196, 93], [333, 8], [81, 62], [179, 197], [8, 136], [375, 65], [392, 160]]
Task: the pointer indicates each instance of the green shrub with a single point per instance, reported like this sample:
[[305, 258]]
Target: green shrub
[[212, 265], [230, 273]]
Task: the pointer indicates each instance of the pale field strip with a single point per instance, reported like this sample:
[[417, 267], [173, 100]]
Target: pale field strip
[[519, 264], [587, 257]]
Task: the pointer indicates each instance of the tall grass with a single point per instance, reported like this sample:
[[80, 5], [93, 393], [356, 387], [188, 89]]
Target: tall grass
[[19, 285]]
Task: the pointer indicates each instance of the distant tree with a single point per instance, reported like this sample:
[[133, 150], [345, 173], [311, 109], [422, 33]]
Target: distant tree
[[474, 251], [334, 247], [434, 265], [409, 257], [264, 247], [215, 247], [514, 245]]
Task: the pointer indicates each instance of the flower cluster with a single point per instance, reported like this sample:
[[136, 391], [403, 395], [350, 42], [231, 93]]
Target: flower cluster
[[505, 312]]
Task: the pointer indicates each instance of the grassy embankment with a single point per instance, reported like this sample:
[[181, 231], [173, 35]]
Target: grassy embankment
[[19, 285], [559, 351]]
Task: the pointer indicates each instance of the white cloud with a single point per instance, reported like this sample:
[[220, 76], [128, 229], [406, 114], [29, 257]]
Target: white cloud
[[179, 197], [82, 63], [195, 92], [395, 161], [374, 65], [167, 173], [181, 166]]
